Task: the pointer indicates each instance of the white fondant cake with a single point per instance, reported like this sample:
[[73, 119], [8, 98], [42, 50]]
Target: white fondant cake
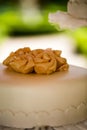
[[28, 100], [78, 8]]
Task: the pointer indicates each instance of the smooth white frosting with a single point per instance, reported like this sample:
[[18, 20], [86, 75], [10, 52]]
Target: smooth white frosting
[[78, 8], [28, 100]]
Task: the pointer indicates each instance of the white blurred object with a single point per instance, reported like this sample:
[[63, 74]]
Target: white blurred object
[[76, 15], [78, 8], [30, 11]]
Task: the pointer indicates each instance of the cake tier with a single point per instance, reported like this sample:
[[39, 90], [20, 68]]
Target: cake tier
[[78, 8], [28, 100]]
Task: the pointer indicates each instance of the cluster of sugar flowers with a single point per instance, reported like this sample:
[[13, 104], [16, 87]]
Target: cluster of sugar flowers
[[41, 61]]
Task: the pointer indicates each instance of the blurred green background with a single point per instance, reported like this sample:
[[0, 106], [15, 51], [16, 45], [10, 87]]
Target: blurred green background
[[30, 17]]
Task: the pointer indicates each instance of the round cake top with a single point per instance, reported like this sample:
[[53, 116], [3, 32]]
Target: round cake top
[[12, 78]]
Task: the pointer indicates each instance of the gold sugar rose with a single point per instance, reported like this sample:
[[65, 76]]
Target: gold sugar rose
[[41, 61]]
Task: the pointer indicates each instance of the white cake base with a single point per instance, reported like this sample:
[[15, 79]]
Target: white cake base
[[77, 126], [42, 100]]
